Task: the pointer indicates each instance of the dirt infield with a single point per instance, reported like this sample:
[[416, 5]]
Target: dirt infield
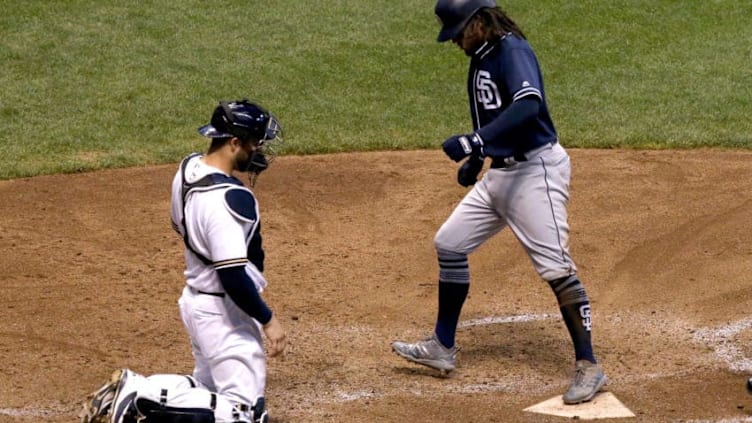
[[92, 272]]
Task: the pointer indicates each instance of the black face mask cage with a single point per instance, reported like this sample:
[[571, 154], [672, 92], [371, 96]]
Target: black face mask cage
[[267, 139]]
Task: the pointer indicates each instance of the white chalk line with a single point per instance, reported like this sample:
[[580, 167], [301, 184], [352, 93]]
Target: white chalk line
[[494, 320], [36, 412], [721, 339]]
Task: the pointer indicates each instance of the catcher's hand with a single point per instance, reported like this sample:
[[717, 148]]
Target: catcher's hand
[[468, 173], [275, 336]]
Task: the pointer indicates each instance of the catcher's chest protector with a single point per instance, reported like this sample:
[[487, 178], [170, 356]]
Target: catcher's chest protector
[[207, 183]]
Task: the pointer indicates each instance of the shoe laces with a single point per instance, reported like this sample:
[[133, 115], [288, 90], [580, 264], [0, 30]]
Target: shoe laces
[[579, 375]]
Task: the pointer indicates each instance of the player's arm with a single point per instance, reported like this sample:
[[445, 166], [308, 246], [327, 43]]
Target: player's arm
[[227, 231], [516, 115], [242, 291], [522, 77], [495, 134], [226, 228]]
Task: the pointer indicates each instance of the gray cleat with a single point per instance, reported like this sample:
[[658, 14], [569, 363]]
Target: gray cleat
[[587, 381], [428, 352]]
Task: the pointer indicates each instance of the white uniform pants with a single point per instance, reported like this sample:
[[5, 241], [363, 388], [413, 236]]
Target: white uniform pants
[[227, 346]]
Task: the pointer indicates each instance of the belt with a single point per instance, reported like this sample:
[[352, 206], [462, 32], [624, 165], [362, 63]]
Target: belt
[[214, 294], [509, 161]]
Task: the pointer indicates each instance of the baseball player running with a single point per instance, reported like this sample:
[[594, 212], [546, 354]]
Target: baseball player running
[[525, 189]]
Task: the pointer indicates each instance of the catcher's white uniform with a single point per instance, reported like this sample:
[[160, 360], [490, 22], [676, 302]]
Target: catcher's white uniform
[[226, 342]]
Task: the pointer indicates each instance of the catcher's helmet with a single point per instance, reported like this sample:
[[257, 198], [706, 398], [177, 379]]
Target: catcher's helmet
[[455, 14], [241, 119]]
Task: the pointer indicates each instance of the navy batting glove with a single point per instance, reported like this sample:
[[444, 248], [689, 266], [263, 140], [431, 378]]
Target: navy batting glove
[[457, 147], [468, 172]]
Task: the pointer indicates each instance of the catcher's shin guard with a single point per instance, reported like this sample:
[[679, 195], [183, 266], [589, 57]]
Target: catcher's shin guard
[[155, 412], [160, 412]]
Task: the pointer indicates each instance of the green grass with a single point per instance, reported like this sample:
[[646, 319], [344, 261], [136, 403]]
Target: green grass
[[94, 84], [649, 74]]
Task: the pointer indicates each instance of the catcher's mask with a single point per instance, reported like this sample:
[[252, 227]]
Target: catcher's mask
[[248, 122]]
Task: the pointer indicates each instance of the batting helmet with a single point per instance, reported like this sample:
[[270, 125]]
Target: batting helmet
[[455, 14], [241, 119]]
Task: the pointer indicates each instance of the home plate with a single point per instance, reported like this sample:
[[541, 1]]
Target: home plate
[[603, 406]]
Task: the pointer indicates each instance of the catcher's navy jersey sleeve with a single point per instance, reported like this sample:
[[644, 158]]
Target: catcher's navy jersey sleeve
[[242, 291]]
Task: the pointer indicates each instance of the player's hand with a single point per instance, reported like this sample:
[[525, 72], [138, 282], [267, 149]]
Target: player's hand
[[275, 336], [457, 147], [468, 172]]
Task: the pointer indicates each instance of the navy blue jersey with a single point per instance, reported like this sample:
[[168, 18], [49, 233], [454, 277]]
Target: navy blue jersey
[[501, 72]]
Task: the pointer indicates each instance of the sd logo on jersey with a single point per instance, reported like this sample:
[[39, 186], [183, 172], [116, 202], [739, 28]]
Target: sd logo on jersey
[[486, 91]]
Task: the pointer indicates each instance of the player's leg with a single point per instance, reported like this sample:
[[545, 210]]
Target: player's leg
[[229, 343], [574, 305], [171, 398], [539, 221], [194, 405], [471, 223], [201, 370], [238, 360]]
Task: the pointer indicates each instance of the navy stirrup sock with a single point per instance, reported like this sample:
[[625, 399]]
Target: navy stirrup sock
[[451, 298], [575, 310], [454, 284]]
